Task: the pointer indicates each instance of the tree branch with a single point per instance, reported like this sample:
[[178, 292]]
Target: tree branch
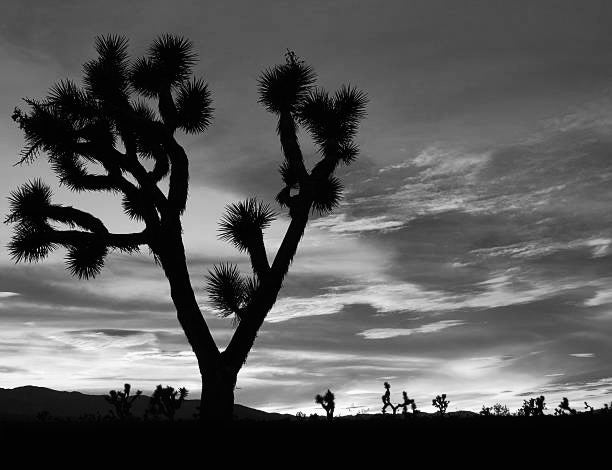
[[120, 241], [290, 145], [258, 255]]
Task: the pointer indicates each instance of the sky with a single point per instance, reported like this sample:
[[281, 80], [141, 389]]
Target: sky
[[471, 254]]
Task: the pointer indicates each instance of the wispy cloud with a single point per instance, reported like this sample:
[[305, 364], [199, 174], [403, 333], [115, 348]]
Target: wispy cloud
[[503, 289], [4, 295], [385, 333]]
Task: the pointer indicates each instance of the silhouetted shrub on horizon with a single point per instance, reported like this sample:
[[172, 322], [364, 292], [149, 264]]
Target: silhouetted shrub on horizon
[[496, 410], [533, 407], [166, 401], [122, 401], [564, 408], [408, 402], [441, 403], [328, 402]]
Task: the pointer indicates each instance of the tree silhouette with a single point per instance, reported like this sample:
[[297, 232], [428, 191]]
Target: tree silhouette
[[98, 136], [406, 403], [386, 399], [533, 407], [564, 408], [441, 403], [122, 401], [166, 401], [328, 402]]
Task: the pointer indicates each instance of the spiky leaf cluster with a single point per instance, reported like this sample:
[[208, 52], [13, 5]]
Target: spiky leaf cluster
[[244, 221], [333, 120], [29, 204], [228, 291], [193, 103], [28, 209], [85, 260], [107, 77], [327, 196], [169, 63], [283, 88]]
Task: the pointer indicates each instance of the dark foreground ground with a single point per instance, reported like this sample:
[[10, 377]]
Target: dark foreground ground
[[484, 442]]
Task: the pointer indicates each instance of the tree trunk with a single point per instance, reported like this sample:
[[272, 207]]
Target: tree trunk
[[217, 401]]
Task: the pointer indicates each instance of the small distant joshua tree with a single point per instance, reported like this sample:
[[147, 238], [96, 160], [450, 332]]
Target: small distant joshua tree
[[386, 399], [328, 402], [122, 401], [564, 408], [406, 403], [496, 410], [588, 407], [533, 407], [166, 401], [500, 410], [441, 403]]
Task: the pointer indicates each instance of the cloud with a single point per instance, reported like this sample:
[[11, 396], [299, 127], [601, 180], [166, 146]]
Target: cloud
[[584, 355], [340, 224], [546, 246], [92, 340], [4, 295], [502, 289], [385, 333], [602, 297]]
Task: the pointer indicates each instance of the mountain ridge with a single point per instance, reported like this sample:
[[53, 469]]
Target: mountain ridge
[[27, 401]]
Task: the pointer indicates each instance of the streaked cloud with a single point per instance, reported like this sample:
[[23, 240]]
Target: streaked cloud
[[385, 333]]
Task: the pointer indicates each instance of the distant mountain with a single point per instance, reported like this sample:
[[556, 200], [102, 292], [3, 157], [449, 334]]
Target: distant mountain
[[24, 403]]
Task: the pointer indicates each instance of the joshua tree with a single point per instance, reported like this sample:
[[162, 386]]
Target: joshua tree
[[500, 410], [328, 403], [496, 410], [588, 407], [386, 399], [564, 408], [104, 124], [122, 401], [533, 407], [441, 403], [407, 402], [166, 401]]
